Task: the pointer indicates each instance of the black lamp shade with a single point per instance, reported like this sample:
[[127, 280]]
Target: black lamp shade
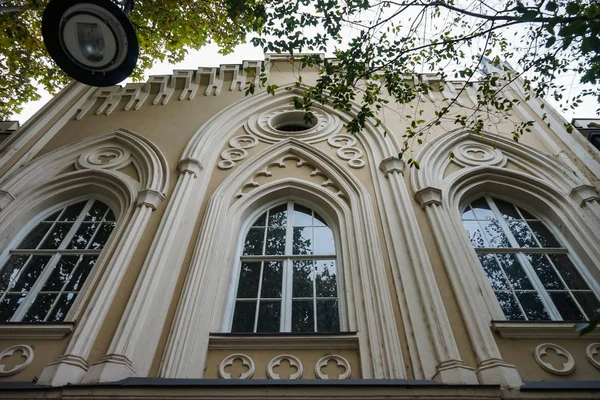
[[92, 41]]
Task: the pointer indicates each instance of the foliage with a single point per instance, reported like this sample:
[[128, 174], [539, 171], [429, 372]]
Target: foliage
[[392, 40], [166, 30], [584, 328]]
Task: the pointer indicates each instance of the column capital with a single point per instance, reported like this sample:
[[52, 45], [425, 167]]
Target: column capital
[[150, 198], [190, 165], [584, 194], [429, 196], [392, 164], [5, 199]]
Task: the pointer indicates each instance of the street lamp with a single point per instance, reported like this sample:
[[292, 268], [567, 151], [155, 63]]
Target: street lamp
[[92, 41]]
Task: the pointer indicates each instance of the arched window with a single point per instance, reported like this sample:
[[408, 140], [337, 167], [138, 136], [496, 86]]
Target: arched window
[[288, 279], [43, 273], [530, 270]]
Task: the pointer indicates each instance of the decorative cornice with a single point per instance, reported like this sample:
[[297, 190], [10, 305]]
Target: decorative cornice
[[429, 196], [23, 331], [539, 330], [392, 164]]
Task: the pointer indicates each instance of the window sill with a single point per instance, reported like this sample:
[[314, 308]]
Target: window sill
[[540, 330], [288, 341], [35, 331]]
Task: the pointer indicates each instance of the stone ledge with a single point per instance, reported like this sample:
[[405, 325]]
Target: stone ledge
[[35, 331], [540, 330], [287, 341]]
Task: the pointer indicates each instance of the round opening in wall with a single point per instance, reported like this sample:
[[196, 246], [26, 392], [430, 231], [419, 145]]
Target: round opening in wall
[[292, 121]]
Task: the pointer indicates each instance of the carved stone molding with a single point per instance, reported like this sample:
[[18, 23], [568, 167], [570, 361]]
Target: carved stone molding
[[392, 164], [281, 163], [228, 362], [237, 150], [347, 150], [104, 157], [470, 153], [567, 367], [341, 362], [27, 353], [590, 351], [265, 125], [294, 362]]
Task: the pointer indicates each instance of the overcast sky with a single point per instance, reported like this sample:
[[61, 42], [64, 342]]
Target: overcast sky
[[210, 57]]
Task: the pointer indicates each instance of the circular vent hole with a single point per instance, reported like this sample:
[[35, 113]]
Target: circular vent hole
[[292, 122]]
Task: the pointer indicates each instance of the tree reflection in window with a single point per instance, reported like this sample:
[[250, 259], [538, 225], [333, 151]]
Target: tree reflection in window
[[288, 278], [44, 272], [529, 270]]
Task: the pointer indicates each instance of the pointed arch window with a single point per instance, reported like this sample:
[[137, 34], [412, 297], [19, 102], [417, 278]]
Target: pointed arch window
[[530, 270], [42, 274], [288, 274]]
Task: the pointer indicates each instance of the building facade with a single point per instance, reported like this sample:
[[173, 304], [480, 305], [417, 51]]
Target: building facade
[[176, 238]]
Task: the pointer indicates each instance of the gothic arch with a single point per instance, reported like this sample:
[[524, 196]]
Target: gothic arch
[[211, 265]]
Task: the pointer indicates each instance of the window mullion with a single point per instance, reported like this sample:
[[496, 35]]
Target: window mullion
[[76, 225], [502, 223], [260, 276], [286, 296]]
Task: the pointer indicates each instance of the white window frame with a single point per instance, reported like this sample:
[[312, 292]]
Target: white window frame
[[520, 252], [287, 279], [55, 254]]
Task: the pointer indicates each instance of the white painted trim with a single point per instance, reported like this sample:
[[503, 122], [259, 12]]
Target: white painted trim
[[27, 331], [288, 341], [540, 330]]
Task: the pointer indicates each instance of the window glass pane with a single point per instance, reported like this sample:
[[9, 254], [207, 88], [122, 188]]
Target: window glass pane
[[522, 233], [271, 281], [96, 212], [243, 317], [33, 239], [544, 271], [83, 269], [509, 306], [544, 236], [302, 316], [475, 234], [249, 276], [494, 234], [302, 241], [567, 270], [319, 221], [72, 212], [52, 217], [110, 216], [566, 306], [482, 209], [534, 309], [83, 235], [302, 216], [102, 235], [9, 305], [278, 215], [507, 209], [254, 241], [468, 213], [493, 271], [589, 302], [56, 235], [328, 319], [30, 273], [60, 273], [261, 221], [62, 306], [525, 214], [303, 279], [324, 243], [275, 241], [514, 271], [11, 269], [325, 279], [268, 316], [40, 307]]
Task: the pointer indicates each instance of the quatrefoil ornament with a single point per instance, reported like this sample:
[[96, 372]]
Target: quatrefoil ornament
[[276, 362], [228, 362], [567, 367]]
